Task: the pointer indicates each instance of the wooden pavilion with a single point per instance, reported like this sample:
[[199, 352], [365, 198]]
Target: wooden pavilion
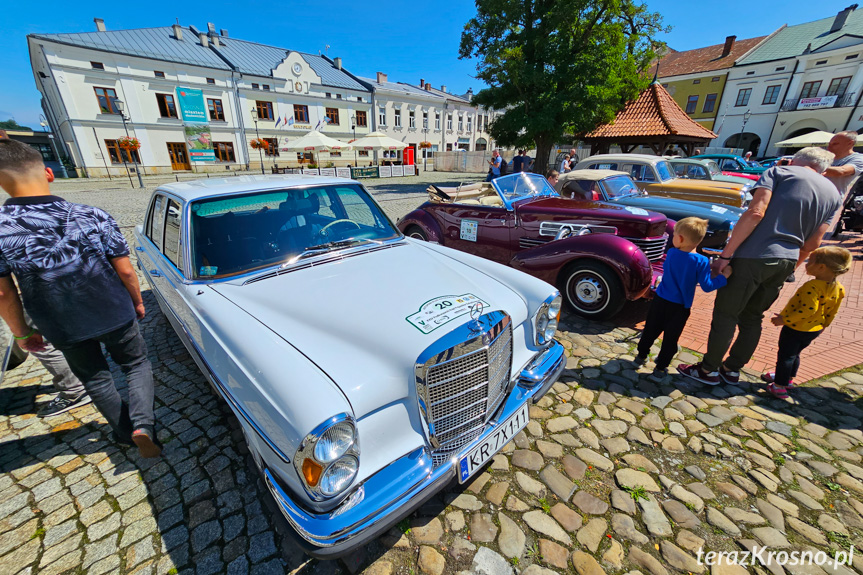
[[654, 119]]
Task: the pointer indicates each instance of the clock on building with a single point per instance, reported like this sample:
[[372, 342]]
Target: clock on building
[[298, 68]]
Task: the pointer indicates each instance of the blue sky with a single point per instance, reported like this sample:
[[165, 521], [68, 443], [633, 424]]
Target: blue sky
[[408, 41]]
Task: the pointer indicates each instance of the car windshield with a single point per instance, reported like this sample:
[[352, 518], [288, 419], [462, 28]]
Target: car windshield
[[522, 185], [714, 168], [233, 235], [665, 171], [619, 186]]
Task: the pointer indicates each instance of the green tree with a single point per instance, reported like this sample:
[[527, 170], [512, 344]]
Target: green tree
[[11, 124], [558, 68]]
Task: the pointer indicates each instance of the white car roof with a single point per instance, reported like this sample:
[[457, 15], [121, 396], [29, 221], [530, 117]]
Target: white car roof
[[194, 190], [623, 158]]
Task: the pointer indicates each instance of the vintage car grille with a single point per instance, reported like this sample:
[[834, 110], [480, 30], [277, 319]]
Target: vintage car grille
[[461, 392], [653, 248]]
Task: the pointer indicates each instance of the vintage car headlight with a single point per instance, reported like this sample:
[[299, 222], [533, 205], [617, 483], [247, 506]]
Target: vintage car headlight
[[547, 318], [327, 461]]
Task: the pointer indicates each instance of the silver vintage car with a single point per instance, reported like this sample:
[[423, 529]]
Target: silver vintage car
[[367, 369]]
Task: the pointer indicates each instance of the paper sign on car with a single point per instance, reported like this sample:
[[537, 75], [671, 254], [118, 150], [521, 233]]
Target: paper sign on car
[[441, 310]]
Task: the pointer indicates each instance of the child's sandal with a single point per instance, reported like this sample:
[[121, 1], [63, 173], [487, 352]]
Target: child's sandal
[[777, 391], [770, 377]]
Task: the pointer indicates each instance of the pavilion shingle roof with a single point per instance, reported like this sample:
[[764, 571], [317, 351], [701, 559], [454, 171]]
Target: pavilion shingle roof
[[703, 59], [653, 114]]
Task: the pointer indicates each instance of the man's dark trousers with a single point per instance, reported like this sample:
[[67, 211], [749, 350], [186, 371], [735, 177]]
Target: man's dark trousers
[[127, 348], [666, 318]]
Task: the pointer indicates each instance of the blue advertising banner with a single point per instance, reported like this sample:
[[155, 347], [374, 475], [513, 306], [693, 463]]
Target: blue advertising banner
[[199, 141]]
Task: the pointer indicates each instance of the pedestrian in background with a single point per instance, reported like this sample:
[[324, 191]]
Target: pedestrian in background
[[565, 165], [552, 176], [770, 239], [807, 314], [517, 162], [494, 170], [72, 265]]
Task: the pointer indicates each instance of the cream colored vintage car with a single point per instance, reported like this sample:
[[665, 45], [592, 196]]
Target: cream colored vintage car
[[654, 175]]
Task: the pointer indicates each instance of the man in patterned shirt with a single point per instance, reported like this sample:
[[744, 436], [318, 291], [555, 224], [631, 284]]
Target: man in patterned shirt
[[72, 266]]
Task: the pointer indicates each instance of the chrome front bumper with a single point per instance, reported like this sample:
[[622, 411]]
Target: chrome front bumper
[[397, 490]]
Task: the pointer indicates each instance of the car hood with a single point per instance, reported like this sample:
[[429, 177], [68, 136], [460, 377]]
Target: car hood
[[732, 180], [606, 211], [683, 185], [716, 214], [349, 316]]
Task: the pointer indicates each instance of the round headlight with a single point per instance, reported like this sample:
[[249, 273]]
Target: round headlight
[[541, 326], [335, 442], [339, 475], [550, 329], [554, 308]]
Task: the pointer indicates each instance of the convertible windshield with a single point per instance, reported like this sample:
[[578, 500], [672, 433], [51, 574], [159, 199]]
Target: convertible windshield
[[619, 186], [522, 185], [236, 234], [665, 171]]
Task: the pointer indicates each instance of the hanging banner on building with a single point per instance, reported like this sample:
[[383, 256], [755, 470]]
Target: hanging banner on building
[[813, 103], [196, 127]]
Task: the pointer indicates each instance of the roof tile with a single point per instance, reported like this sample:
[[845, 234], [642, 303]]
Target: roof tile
[[705, 59]]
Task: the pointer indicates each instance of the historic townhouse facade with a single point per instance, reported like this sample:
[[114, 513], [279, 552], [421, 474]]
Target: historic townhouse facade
[[156, 77]]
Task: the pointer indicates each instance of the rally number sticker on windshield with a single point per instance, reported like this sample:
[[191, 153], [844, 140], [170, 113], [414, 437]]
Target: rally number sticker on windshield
[[468, 230], [442, 310]]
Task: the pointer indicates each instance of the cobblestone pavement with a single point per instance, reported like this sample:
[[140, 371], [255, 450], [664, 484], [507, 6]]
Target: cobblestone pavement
[[613, 474]]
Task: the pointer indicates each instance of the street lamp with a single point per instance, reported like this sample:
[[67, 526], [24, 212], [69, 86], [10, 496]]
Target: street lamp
[[121, 107], [258, 136], [61, 169], [746, 116], [425, 139], [354, 129]]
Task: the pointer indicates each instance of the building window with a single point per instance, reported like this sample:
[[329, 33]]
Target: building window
[[118, 154], [437, 120], [266, 87], [328, 95], [97, 65], [272, 148], [709, 103], [714, 79], [362, 121], [425, 120], [382, 116], [470, 123], [743, 97], [398, 117], [771, 95], [224, 151], [265, 110], [479, 124], [697, 81], [333, 115], [338, 97], [301, 114], [449, 121], [750, 73], [691, 103], [460, 123], [167, 107], [216, 110], [780, 69], [810, 89], [106, 98], [820, 62], [838, 86], [852, 57], [255, 86], [359, 98], [211, 80], [412, 119], [45, 150], [158, 74], [364, 153]]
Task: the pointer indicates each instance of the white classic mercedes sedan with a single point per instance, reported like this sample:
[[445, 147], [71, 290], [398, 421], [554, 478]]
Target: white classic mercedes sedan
[[367, 369]]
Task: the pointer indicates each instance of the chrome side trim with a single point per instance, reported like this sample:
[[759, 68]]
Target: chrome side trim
[[553, 229]]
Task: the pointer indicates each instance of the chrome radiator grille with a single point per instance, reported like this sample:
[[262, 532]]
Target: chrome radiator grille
[[653, 248], [463, 386]]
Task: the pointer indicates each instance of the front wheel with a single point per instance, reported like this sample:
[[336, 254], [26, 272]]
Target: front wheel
[[417, 233], [592, 290]]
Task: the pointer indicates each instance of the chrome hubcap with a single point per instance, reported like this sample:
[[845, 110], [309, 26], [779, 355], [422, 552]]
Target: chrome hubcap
[[588, 290]]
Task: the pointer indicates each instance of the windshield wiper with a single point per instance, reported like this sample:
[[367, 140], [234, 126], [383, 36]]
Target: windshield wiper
[[325, 248]]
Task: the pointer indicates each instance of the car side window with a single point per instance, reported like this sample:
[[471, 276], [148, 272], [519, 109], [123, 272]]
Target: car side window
[[680, 170], [729, 165], [698, 172], [173, 235], [156, 226]]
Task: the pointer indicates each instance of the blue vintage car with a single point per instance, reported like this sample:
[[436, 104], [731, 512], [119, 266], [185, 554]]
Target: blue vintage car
[[601, 186]]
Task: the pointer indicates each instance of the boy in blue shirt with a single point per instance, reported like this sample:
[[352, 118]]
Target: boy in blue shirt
[[682, 271]]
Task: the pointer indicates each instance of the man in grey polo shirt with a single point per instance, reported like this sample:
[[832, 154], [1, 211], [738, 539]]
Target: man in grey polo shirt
[[769, 241], [847, 164]]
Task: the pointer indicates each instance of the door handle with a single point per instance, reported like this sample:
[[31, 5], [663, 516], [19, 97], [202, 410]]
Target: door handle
[[156, 273]]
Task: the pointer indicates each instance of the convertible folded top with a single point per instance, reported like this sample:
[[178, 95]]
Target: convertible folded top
[[480, 193]]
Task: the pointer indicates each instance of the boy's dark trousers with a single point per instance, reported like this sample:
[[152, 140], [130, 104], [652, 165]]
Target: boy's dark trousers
[[666, 318], [791, 343]]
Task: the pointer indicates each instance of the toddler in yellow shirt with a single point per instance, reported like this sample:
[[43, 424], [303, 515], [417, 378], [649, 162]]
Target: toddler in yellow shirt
[[807, 313]]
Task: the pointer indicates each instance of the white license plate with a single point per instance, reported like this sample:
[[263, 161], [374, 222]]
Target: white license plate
[[479, 455]]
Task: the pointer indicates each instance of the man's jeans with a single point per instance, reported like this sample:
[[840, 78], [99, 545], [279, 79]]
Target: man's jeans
[[64, 380], [128, 350], [752, 288]]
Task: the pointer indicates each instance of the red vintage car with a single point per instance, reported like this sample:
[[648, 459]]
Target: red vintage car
[[598, 255]]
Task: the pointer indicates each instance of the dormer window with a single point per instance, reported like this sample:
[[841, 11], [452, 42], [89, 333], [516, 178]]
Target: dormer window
[[158, 74], [97, 65], [820, 62]]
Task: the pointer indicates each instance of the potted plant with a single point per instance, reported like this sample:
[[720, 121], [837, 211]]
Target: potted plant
[[425, 145], [128, 143], [258, 144]]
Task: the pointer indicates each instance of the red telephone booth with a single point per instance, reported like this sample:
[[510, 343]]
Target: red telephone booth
[[408, 157]]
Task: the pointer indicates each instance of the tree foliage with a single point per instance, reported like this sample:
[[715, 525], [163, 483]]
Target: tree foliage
[[11, 124], [558, 67]]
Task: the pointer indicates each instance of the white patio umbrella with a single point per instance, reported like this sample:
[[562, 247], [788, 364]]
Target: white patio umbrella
[[377, 141], [818, 138], [315, 141]]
